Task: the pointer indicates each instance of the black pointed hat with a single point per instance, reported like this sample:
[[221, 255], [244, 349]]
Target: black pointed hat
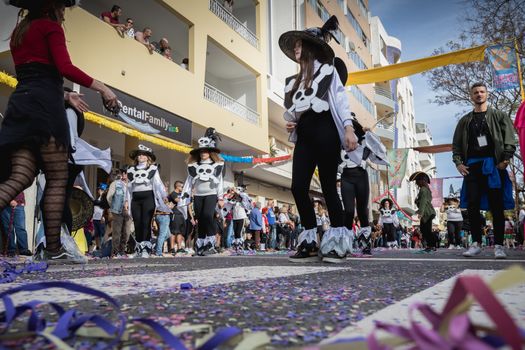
[[208, 142], [318, 37]]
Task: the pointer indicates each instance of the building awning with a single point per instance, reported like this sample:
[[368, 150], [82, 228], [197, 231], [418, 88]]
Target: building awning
[[434, 148]]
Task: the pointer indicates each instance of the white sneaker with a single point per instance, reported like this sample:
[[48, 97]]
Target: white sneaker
[[451, 246], [473, 250], [499, 252]]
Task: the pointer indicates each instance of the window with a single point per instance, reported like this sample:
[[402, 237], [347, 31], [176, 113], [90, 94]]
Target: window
[[357, 27], [363, 100], [357, 60], [362, 8], [382, 46]]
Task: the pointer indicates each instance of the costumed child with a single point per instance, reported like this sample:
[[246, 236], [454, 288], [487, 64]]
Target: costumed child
[[319, 121], [355, 188], [424, 209], [454, 221], [146, 193], [205, 182], [240, 205], [389, 222]]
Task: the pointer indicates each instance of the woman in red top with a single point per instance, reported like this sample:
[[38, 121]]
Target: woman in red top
[[35, 131]]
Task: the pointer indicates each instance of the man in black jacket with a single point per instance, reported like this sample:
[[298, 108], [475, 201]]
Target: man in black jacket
[[482, 147]]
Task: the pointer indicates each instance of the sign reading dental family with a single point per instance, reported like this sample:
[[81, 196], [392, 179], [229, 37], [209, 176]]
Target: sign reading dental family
[[142, 116]]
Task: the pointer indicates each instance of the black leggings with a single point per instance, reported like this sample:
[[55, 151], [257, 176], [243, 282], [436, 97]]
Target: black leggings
[[73, 171], [318, 144], [237, 228], [204, 207], [355, 189], [453, 228], [142, 210], [477, 183], [389, 231], [428, 235]]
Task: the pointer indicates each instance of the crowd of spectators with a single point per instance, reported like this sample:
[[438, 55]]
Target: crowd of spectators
[[127, 30]]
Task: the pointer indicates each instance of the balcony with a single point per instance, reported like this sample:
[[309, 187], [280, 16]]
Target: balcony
[[385, 131], [218, 97], [236, 24], [425, 159], [424, 139], [230, 84], [383, 97]]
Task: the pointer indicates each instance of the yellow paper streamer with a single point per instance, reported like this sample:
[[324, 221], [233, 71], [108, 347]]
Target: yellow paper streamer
[[95, 118], [405, 69]]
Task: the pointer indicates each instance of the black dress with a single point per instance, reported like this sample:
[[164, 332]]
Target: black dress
[[35, 112]]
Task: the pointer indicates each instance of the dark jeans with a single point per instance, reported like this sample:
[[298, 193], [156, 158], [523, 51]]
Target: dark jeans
[[237, 228], [318, 145], [477, 184], [15, 229], [453, 229], [100, 228], [428, 235]]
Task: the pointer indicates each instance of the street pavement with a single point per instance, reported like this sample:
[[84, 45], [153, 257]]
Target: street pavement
[[295, 304]]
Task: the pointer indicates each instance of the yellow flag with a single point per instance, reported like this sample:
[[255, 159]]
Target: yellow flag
[[405, 69]]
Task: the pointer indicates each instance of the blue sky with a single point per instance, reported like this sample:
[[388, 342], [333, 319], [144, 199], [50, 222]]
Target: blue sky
[[422, 26]]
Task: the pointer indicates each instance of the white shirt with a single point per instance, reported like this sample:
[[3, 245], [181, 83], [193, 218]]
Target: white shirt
[[454, 215], [283, 218], [98, 212], [238, 212]]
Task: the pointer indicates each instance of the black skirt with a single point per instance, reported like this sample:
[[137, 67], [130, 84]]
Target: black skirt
[[35, 113]]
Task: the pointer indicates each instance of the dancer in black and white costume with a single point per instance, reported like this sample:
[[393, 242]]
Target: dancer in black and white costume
[[239, 204], [319, 121], [355, 188], [205, 182], [148, 194], [389, 221]]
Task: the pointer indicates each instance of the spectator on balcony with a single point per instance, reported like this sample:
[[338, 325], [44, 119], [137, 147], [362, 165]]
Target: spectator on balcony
[[163, 48], [144, 37], [228, 5], [129, 31], [185, 63], [112, 18]]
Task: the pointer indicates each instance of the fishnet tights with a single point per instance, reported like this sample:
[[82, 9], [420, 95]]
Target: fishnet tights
[[24, 168]]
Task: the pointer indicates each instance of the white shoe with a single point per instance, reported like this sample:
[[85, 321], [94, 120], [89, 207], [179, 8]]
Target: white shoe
[[473, 250], [499, 252], [451, 246]]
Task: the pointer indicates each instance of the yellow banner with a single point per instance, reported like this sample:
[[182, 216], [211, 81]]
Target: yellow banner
[[405, 69]]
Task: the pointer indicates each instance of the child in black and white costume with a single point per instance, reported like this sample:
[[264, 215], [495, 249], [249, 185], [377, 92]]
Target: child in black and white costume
[[319, 121], [205, 182], [355, 188], [240, 205], [146, 194], [454, 221], [389, 222]]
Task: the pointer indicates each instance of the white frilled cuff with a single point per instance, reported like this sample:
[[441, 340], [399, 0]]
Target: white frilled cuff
[[238, 241], [307, 236], [365, 232], [201, 242], [338, 239]]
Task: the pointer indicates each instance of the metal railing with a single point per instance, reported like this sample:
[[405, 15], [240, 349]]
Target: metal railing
[[386, 127], [216, 96], [233, 22], [383, 92]]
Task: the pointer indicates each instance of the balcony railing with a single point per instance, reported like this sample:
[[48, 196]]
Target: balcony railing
[[233, 22], [383, 92], [386, 127], [218, 97]]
